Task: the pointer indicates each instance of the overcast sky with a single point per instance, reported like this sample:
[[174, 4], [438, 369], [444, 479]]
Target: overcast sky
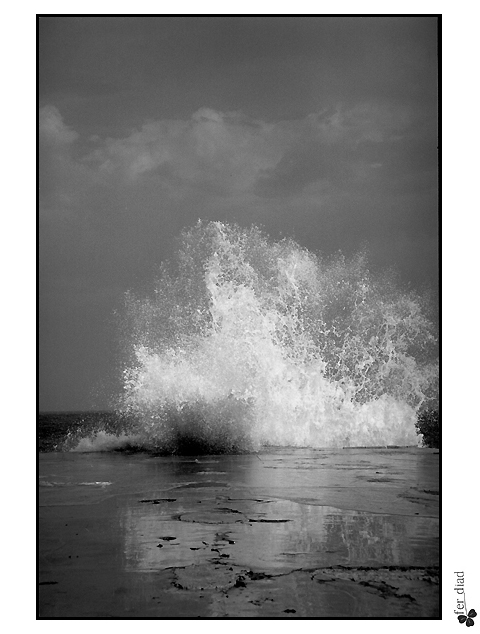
[[321, 128]]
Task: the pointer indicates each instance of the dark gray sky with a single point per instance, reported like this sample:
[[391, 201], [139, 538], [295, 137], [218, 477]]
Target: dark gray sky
[[322, 128]]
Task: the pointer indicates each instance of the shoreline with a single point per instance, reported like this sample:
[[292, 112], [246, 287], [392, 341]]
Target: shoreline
[[280, 534]]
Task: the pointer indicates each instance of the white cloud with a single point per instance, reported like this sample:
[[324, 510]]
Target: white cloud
[[227, 153], [63, 180], [224, 151], [215, 160], [52, 128]]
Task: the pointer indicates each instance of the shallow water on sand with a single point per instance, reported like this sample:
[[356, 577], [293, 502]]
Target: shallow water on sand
[[140, 535]]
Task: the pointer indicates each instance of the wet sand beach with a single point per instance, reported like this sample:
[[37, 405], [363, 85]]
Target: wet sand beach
[[285, 533]]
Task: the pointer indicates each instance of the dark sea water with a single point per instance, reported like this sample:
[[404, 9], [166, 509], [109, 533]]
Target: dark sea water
[[57, 430], [65, 431]]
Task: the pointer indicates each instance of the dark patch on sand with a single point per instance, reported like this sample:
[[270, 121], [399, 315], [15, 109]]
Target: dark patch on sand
[[269, 521], [224, 537], [255, 576], [227, 510], [158, 500]]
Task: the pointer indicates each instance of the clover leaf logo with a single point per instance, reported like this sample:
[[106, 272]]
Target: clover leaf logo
[[468, 620]]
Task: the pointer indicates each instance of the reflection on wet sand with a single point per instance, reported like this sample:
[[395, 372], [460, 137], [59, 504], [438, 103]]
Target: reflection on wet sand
[[241, 535], [273, 534]]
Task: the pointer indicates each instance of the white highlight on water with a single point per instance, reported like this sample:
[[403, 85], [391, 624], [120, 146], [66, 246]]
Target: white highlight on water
[[247, 342]]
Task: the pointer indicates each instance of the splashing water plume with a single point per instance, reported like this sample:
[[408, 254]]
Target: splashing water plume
[[248, 342]]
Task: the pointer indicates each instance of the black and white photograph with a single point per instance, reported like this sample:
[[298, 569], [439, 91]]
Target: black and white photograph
[[239, 318]]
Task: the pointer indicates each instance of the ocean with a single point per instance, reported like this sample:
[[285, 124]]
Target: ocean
[[262, 458]]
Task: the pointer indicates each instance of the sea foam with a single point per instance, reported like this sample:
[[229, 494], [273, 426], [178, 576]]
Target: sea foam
[[246, 342]]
